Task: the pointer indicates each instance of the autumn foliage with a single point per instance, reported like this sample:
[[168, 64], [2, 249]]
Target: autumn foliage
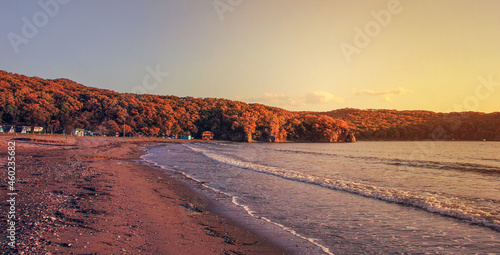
[[63, 105], [420, 125]]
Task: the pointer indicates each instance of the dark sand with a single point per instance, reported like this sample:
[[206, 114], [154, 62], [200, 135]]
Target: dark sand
[[94, 196]]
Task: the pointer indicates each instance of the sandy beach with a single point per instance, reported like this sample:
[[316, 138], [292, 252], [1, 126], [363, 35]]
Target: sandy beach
[[95, 196]]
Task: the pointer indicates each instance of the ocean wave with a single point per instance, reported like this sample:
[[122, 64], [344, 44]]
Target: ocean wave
[[479, 211], [293, 232], [450, 166], [234, 200], [491, 159]]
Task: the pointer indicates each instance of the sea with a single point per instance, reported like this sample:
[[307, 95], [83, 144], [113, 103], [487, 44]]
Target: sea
[[419, 197]]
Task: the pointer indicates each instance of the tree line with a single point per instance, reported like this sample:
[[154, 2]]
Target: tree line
[[375, 124], [61, 105]]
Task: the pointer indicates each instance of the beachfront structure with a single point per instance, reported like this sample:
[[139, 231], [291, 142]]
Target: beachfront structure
[[9, 129], [82, 132], [79, 132], [207, 135], [184, 137], [23, 129], [36, 129]]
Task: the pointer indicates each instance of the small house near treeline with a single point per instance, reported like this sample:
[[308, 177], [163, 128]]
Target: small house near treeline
[[184, 137], [23, 129], [37, 129], [8, 129], [207, 135], [79, 132]]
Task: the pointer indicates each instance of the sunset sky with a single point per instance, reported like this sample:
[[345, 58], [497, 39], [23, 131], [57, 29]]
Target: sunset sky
[[299, 55]]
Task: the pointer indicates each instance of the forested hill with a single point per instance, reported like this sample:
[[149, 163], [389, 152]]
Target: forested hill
[[419, 125], [63, 105]]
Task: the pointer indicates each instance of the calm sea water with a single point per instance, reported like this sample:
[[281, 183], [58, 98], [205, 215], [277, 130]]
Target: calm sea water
[[361, 198]]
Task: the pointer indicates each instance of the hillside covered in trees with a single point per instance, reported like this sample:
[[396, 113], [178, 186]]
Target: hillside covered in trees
[[419, 125], [62, 105]]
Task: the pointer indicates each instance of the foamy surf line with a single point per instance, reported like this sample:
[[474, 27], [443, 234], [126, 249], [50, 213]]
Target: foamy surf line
[[234, 200], [463, 167], [483, 213], [289, 230]]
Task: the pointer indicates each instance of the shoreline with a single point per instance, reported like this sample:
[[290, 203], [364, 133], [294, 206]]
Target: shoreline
[[228, 206], [96, 196]]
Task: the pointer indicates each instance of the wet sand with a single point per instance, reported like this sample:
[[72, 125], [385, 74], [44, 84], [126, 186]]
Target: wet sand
[[94, 196]]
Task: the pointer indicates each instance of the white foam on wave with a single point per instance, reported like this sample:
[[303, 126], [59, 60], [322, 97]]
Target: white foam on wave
[[456, 166], [484, 212], [234, 200], [293, 232]]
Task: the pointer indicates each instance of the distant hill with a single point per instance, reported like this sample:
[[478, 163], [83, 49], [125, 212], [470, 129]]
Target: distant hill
[[419, 125], [62, 105]]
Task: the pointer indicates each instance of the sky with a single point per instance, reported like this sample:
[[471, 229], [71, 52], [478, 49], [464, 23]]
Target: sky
[[320, 55]]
